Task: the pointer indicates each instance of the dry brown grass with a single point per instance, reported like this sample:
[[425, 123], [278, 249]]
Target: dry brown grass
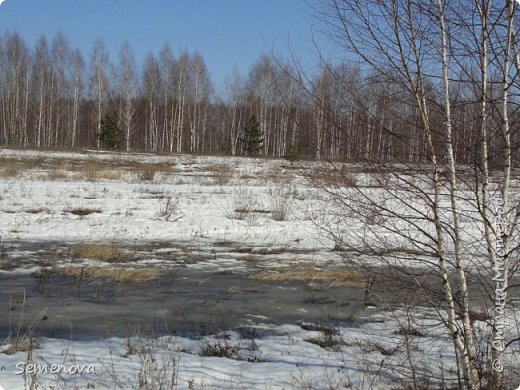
[[331, 177], [147, 172], [9, 172], [92, 175], [333, 278], [252, 258], [90, 170], [96, 170], [22, 344], [10, 168], [108, 253], [223, 173], [93, 170], [14, 165], [57, 174], [115, 275]]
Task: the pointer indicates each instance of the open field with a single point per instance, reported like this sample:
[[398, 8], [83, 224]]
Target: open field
[[216, 269]]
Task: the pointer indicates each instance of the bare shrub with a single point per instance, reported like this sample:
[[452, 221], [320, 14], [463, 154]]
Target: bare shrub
[[329, 339], [243, 205], [147, 174], [22, 338], [167, 209], [91, 171], [157, 373], [374, 215], [220, 345], [281, 202]]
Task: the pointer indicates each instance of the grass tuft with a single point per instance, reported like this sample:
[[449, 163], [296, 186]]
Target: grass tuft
[[115, 275], [108, 253], [22, 344], [310, 275]]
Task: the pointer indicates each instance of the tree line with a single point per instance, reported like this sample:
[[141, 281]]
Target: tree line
[[53, 97]]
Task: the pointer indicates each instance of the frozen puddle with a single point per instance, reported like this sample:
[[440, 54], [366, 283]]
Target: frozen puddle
[[211, 294]]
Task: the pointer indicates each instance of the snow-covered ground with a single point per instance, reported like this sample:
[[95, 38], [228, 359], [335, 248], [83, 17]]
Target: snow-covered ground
[[226, 211], [279, 357]]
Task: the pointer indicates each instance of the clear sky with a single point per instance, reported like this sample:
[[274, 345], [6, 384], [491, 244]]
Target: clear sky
[[228, 33]]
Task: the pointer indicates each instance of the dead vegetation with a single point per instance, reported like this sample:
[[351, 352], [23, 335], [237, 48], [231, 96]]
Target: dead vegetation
[[314, 277], [244, 205], [332, 177], [110, 170], [183, 257], [56, 174], [89, 170], [167, 209], [369, 346], [252, 258], [9, 172], [281, 202], [10, 167], [82, 211], [5, 248], [114, 275], [21, 344], [108, 253], [38, 210], [223, 173]]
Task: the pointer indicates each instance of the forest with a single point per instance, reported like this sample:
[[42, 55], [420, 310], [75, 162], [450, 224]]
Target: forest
[[54, 96]]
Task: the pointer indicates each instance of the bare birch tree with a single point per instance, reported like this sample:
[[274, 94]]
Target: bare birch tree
[[78, 65], [167, 69], [127, 90], [439, 212], [15, 88], [99, 84], [151, 89], [199, 92], [235, 93], [40, 73]]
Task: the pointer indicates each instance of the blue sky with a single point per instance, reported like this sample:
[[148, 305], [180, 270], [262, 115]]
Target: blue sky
[[228, 33]]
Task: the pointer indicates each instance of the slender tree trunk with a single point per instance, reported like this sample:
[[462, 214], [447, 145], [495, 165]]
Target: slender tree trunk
[[468, 349]]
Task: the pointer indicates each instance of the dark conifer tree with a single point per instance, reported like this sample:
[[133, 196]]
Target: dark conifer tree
[[111, 136], [252, 136]]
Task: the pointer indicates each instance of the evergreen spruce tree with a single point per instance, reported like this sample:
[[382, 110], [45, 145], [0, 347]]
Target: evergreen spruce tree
[[111, 136], [252, 136]]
